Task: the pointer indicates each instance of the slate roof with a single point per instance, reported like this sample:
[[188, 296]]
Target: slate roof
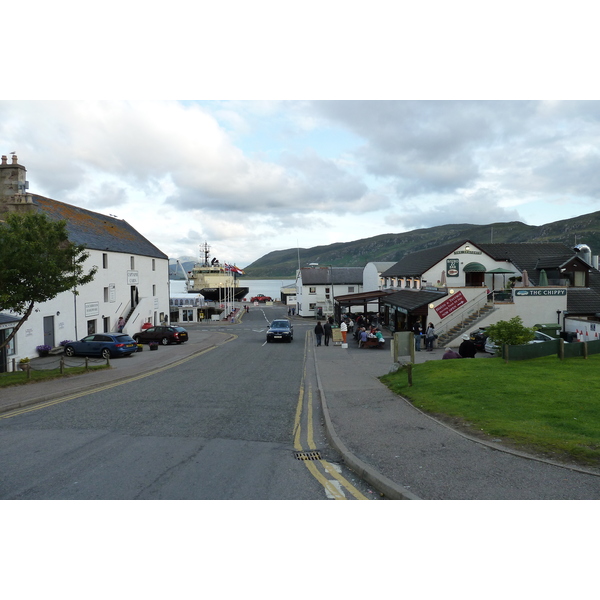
[[96, 231], [332, 276], [412, 299], [5, 318], [416, 263]]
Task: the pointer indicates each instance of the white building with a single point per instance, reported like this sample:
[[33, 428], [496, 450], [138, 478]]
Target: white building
[[316, 287], [132, 280]]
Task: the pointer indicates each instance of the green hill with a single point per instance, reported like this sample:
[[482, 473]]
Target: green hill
[[393, 246]]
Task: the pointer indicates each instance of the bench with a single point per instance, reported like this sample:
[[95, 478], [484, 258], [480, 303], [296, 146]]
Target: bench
[[372, 343]]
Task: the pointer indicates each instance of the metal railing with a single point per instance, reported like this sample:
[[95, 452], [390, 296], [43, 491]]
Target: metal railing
[[473, 308]]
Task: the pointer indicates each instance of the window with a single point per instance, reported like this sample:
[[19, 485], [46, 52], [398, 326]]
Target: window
[[350, 289], [105, 294], [132, 261], [91, 327], [312, 306], [312, 290], [154, 264], [106, 324], [154, 290], [187, 314], [104, 260]]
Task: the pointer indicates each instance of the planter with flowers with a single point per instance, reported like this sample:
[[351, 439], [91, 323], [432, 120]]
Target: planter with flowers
[[43, 350], [24, 363], [140, 347], [153, 345]]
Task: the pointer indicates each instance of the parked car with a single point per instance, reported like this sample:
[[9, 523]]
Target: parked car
[[479, 338], [105, 345], [164, 335], [540, 337], [280, 330], [261, 298]]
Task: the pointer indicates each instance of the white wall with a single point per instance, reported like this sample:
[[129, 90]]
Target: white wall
[[73, 313]]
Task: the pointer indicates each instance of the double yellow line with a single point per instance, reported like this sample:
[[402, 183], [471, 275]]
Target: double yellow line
[[329, 486], [108, 386]]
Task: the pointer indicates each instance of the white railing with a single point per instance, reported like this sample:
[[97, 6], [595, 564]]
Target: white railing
[[473, 307]]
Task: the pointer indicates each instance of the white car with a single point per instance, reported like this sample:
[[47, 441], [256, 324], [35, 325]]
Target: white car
[[492, 348]]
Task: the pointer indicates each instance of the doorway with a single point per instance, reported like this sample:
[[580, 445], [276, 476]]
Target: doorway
[[49, 331]]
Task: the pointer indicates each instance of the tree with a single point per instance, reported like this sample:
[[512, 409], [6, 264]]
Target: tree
[[511, 332], [37, 262]]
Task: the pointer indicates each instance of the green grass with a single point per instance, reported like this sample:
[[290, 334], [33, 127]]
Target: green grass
[[543, 405], [20, 377]]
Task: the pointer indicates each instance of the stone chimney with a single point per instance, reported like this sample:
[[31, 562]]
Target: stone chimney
[[13, 187]]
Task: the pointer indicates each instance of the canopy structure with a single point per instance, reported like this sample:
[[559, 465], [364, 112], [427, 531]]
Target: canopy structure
[[500, 271], [474, 267]]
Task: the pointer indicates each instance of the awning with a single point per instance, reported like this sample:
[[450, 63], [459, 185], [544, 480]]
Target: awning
[[474, 267]]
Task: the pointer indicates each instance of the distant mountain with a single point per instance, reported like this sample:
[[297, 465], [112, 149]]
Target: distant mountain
[[392, 247]]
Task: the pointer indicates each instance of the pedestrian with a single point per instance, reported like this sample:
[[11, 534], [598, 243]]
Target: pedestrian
[[417, 332], [120, 324], [327, 331], [319, 332], [344, 330], [362, 338], [350, 326], [450, 353], [467, 349], [430, 337], [380, 338]]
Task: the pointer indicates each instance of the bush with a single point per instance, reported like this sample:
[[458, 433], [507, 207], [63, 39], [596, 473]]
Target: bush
[[511, 332]]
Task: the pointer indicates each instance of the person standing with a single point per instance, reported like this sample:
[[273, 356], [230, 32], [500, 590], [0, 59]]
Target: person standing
[[429, 337], [319, 332], [327, 331], [467, 348], [418, 332], [120, 324], [344, 330]]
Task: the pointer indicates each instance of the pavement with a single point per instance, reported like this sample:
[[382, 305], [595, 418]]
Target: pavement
[[401, 451]]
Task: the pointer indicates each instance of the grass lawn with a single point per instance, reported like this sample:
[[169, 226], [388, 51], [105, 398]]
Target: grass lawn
[[544, 404], [20, 377]]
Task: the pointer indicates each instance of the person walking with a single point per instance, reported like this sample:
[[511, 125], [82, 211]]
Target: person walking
[[418, 332], [344, 330], [319, 332], [327, 330], [429, 337]]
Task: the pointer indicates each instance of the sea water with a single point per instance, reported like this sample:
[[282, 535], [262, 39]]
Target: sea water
[[266, 287]]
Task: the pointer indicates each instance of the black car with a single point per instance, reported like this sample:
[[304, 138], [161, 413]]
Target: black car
[[281, 330], [163, 335], [479, 337], [105, 345]]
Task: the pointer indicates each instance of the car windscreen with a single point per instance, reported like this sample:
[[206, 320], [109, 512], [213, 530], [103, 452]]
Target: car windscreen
[[280, 325]]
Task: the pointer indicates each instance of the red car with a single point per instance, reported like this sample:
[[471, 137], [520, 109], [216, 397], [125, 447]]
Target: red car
[[261, 298]]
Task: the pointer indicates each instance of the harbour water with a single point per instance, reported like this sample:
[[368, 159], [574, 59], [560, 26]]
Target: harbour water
[[266, 287]]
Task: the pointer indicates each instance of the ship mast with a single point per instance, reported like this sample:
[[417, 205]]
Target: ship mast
[[206, 249]]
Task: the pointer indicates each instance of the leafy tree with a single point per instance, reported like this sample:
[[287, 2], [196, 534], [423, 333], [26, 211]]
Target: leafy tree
[[511, 332], [37, 262]]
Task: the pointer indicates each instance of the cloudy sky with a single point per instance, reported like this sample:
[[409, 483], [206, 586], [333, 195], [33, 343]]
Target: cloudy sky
[[260, 172], [250, 177]]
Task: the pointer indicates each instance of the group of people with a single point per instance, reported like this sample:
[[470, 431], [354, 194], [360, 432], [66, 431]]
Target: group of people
[[323, 332], [429, 335]]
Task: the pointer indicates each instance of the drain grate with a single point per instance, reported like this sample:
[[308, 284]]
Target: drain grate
[[307, 455]]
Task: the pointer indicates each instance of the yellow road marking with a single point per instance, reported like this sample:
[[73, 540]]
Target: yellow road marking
[[107, 386], [311, 466]]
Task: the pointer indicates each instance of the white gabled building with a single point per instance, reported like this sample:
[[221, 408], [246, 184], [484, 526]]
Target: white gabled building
[[132, 280], [316, 287]]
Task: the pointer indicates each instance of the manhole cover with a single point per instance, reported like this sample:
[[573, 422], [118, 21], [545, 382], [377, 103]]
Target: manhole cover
[[307, 455]]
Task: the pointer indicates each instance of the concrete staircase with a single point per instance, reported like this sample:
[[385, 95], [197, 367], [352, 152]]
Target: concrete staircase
[[465, 325]]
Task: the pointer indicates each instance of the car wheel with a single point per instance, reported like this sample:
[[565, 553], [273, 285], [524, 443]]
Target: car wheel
[[69, 351], [165, 341], [105, 353]]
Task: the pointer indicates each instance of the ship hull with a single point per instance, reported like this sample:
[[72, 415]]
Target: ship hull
[[220, 294]]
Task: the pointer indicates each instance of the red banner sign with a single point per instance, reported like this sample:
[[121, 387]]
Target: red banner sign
[[447, 307]]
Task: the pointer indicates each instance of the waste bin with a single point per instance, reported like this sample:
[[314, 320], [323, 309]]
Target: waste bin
[[551, 329]]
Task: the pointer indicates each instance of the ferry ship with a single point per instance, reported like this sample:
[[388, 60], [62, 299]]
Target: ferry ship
[[214, 280]]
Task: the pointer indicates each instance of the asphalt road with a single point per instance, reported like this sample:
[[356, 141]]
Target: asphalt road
[[232, 423]]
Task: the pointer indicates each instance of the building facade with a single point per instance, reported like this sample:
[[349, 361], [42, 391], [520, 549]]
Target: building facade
[[132, 278]]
